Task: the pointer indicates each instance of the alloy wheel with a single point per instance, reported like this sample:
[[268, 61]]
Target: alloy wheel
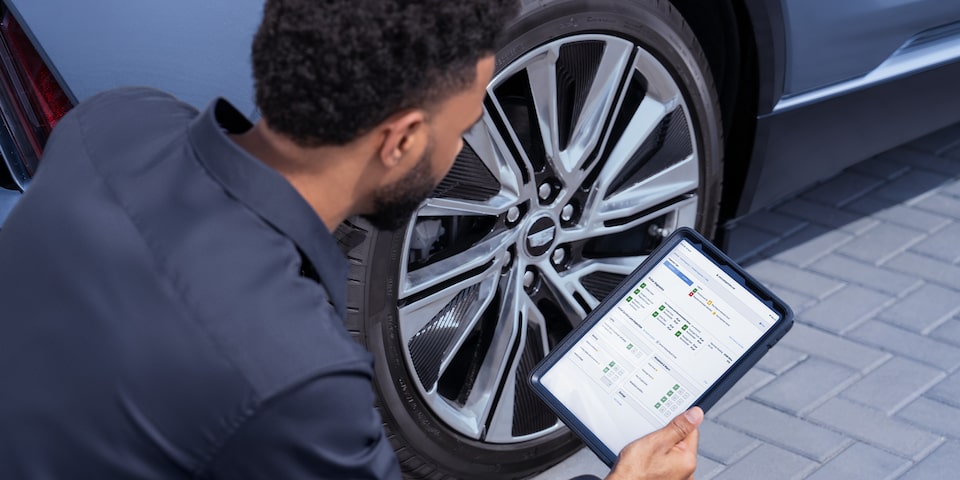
[[584, 159]]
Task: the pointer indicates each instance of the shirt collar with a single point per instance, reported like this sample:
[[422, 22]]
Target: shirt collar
[[268, 194]]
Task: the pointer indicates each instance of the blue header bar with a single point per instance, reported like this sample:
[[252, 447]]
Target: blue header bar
[[673, 268]]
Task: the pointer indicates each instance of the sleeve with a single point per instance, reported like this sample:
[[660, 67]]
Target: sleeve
[[327, 428]]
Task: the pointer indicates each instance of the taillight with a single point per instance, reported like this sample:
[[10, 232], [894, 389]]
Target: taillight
[[34, 101]]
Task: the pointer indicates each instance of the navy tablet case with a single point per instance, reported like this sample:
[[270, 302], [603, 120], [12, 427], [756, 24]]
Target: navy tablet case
[[733, 373]]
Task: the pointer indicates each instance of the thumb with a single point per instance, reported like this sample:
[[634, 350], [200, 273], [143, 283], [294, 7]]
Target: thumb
[[681, 426]]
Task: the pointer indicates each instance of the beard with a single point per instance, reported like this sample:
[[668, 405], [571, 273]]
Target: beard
[[396, 203]]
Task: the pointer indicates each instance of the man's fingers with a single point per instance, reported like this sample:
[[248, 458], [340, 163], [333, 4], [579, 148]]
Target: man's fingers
[[682, 426]]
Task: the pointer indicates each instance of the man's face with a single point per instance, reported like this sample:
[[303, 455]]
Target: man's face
[[394, 204]]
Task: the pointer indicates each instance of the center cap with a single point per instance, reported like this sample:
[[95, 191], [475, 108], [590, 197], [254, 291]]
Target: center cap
[[540, 236]]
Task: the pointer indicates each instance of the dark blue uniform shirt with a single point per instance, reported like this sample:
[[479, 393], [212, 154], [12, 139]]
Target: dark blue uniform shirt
[[170, 307]]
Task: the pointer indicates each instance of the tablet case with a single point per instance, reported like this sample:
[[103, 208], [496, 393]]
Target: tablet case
[[712, 394]]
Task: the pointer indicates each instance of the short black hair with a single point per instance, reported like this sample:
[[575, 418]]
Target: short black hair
[[327, 71]]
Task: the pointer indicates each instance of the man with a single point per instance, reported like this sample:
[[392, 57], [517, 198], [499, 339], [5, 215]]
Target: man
[[173, 294]]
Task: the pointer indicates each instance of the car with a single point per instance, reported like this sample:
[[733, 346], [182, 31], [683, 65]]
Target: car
[[607, 125]]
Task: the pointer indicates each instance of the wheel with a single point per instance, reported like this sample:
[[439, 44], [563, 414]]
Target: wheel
[[601, 134]]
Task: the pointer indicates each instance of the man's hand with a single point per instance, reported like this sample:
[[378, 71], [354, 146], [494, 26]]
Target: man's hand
[[667, 454]]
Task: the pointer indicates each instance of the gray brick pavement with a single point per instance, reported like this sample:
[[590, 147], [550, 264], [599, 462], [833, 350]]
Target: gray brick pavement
[[867, 385]]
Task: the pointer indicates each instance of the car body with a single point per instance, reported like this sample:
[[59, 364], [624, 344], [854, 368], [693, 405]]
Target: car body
[[832, 83], [779, 94]]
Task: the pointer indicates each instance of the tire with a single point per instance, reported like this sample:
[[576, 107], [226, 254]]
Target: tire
[[532, 228]]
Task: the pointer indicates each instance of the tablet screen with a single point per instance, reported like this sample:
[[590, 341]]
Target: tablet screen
[[659, 348]]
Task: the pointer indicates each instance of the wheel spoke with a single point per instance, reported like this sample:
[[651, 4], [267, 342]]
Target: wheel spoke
[[436, 329], [496, 367], [676, 209], [454, 207], [493, 153], [643, 123], [542, 74], [615, 265], [563, 287], [660, 85], [481, 255], [673, 183], [597, 104], [503, 420]]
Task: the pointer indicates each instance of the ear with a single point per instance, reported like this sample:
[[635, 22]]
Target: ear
[[401, 136]]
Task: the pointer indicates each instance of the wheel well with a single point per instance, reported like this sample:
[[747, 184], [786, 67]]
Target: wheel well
[[726, 36]]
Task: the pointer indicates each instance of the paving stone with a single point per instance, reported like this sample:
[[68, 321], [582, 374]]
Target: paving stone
[[868, 275], [779, 360], [748, 384], [940, 204], [947, 391], [869, 205], [911, 186], [925, 267], [723, 444], [942, 464], [953, 153], [861, 225], [798, 302], [768, 462], [846, 308], [798, 280], [842, 188], [706, 468], [834, 348], [923, 309], [875, 428], [862, 462], [933, 415], [880, 167], [744, 242], [939, 141], [923, 349], [805, 386], [818, 213], [948, 332], [881, 243], [807, 245], [785, 431], [952, 188], [903, 215], [924, 160], [942, 244], [913, 218], [772, 222], [893, 384]]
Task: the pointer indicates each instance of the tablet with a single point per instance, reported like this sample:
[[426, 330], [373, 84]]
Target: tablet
[[679, 331]]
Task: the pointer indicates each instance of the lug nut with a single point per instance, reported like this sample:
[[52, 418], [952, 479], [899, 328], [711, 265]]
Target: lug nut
[[528, 278], [567, 213], [559, 255], [513, 215], [545, 191], [658, 231]]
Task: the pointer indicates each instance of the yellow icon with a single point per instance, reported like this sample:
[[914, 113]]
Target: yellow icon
[[709, 302], [714, 313]]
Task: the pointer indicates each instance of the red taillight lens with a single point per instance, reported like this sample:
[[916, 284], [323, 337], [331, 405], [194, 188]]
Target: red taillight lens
[[32, 90]]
